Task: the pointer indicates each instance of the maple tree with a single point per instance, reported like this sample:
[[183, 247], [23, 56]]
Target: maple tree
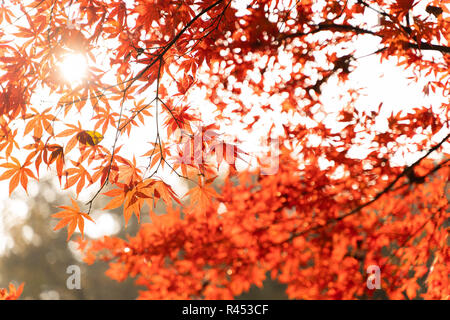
[[314, 227]]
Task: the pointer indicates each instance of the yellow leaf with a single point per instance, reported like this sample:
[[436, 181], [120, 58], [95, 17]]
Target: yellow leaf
[[89, 137]]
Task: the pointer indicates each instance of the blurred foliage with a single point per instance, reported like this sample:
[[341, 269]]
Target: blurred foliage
[[41, 260], [40, 256]]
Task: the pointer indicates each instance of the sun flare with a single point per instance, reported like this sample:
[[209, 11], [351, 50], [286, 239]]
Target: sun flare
[[74, 68]]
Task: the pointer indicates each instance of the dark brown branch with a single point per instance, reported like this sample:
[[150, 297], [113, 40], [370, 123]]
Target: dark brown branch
[[350, 28], [429, 46], [328, 27]]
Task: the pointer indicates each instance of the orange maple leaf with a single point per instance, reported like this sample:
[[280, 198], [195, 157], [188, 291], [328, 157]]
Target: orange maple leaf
[[72, 217], [202, 195], [17, 172]]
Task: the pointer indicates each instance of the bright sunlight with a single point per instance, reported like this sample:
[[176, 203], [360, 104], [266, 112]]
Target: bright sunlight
[[74, 67]]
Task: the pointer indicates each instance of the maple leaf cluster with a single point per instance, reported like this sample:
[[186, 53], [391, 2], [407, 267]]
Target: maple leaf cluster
[[318, 221]]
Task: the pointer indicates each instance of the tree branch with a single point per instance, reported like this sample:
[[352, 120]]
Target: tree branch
[[350, 28], [405, 171]]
